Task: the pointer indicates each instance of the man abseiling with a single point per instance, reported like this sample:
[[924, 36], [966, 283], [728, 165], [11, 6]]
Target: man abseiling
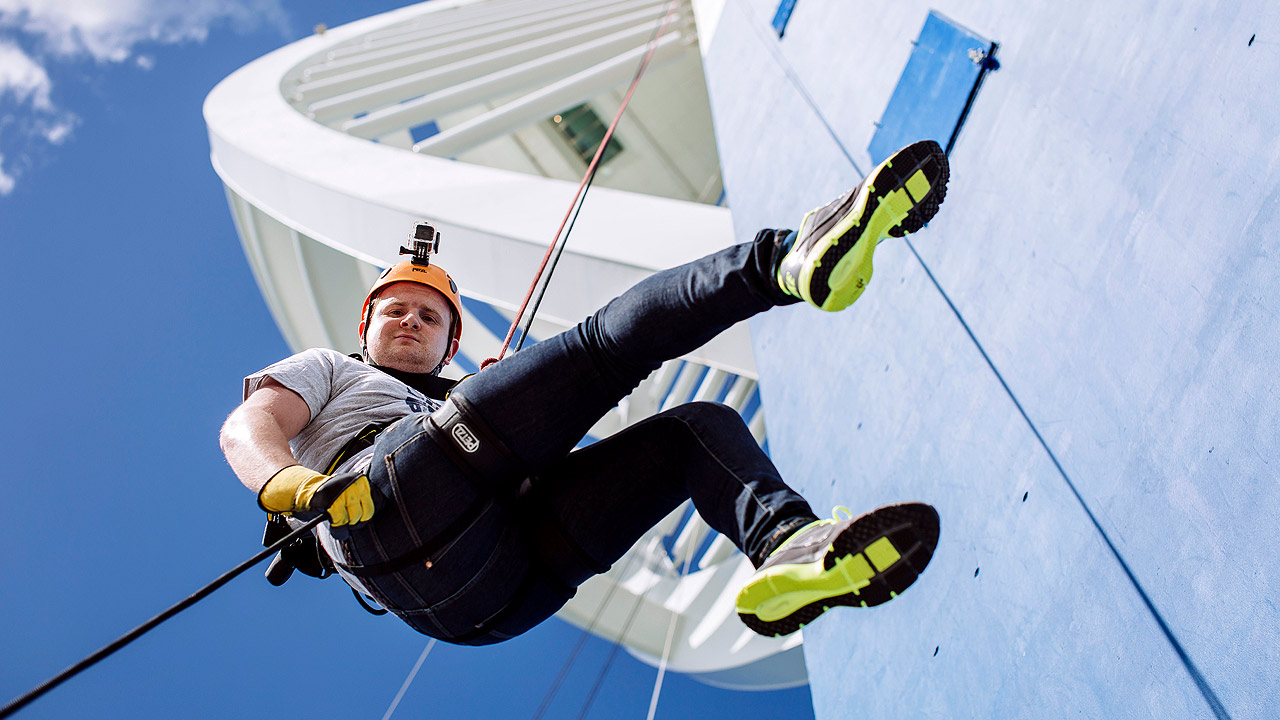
[[474, 519]]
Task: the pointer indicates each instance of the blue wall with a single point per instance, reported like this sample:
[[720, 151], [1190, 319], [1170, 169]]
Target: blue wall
[[1076, 363]]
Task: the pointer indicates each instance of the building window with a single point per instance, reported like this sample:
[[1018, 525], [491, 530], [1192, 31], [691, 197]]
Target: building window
[[938, 86], [783, 15], [583, 129]]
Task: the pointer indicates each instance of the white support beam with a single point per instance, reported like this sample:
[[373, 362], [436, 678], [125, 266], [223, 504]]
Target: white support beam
[[535, 73], [572, 15], [544, 103], [441, 16], [445, 20], [244, 215], [427, 81], [711, 385], [309, 291], [722, 548], [689, 540], [756, 426], [740, 393], [683, 386], [382, 72]]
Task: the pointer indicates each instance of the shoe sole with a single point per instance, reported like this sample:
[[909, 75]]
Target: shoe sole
[[871, 562], [898, 198]]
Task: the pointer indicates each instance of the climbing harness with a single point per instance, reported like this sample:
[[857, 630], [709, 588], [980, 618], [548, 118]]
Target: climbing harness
[[304, 554], [142, 629], [472, 445], [503, 481], [433, 386], [475, 449]]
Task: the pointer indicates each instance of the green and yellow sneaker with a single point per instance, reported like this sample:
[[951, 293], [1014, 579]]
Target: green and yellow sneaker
[[855, 563], [829, 263]]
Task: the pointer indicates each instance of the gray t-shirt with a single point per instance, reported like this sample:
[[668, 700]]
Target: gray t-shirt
[[344, 395]]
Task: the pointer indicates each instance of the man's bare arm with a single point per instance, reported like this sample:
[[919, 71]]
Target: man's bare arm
[[255, 437]]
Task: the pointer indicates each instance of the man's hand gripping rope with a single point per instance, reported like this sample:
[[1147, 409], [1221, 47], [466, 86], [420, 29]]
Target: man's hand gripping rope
[[305, 493]]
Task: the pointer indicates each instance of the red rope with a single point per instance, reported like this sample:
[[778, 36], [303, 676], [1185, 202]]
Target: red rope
[[591, 169]]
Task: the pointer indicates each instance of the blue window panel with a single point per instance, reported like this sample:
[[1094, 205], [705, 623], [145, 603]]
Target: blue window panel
[[493, 321], [424, 131], [781, 17], [466, 364], [936, 89], [753, 404]]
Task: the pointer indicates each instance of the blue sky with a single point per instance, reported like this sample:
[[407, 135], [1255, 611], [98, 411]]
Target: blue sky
[[130, 317]]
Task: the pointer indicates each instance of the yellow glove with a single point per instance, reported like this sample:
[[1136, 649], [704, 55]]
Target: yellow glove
[[304, 493]]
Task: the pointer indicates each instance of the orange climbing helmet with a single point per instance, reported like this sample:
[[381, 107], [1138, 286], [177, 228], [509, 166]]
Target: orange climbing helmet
[[425, 241]]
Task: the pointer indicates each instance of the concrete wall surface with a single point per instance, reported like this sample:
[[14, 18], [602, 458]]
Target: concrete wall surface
[[1076, 362]]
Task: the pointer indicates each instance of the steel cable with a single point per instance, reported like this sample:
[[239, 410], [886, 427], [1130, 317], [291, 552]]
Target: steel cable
[[142, 629]]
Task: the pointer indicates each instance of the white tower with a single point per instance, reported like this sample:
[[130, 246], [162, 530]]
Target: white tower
[[480, 116]]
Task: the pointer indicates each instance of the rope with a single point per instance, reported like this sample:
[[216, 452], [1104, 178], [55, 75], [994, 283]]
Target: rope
[[555, 260], [142, 629], [582, 639], [540, 284], [613, 653], [666, 649], [404, 687], [561, 236]]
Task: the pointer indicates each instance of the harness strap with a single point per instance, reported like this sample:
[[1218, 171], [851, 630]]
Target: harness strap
[[305, 553], [362, 440], [423, 552], [473, 446]]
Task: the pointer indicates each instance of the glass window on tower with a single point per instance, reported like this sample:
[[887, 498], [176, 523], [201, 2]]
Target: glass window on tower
[[583, 129]]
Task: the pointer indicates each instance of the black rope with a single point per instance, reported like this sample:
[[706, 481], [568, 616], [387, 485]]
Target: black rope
[[142, 629], [582, 639], [626, 628], [545, 280], [613, 653], [560, 241]]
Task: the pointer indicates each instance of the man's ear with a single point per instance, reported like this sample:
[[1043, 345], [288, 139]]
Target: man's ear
[[453, 350]]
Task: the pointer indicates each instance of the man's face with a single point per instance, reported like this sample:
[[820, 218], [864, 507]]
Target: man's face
[[409, 329]]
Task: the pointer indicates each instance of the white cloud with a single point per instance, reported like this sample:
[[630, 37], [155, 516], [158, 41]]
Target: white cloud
[[36, 33], [58, 130], [109, 31], [23, 77], [6, 181]]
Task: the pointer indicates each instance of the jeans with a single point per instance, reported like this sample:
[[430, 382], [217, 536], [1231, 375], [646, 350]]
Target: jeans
[[509, 551]]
